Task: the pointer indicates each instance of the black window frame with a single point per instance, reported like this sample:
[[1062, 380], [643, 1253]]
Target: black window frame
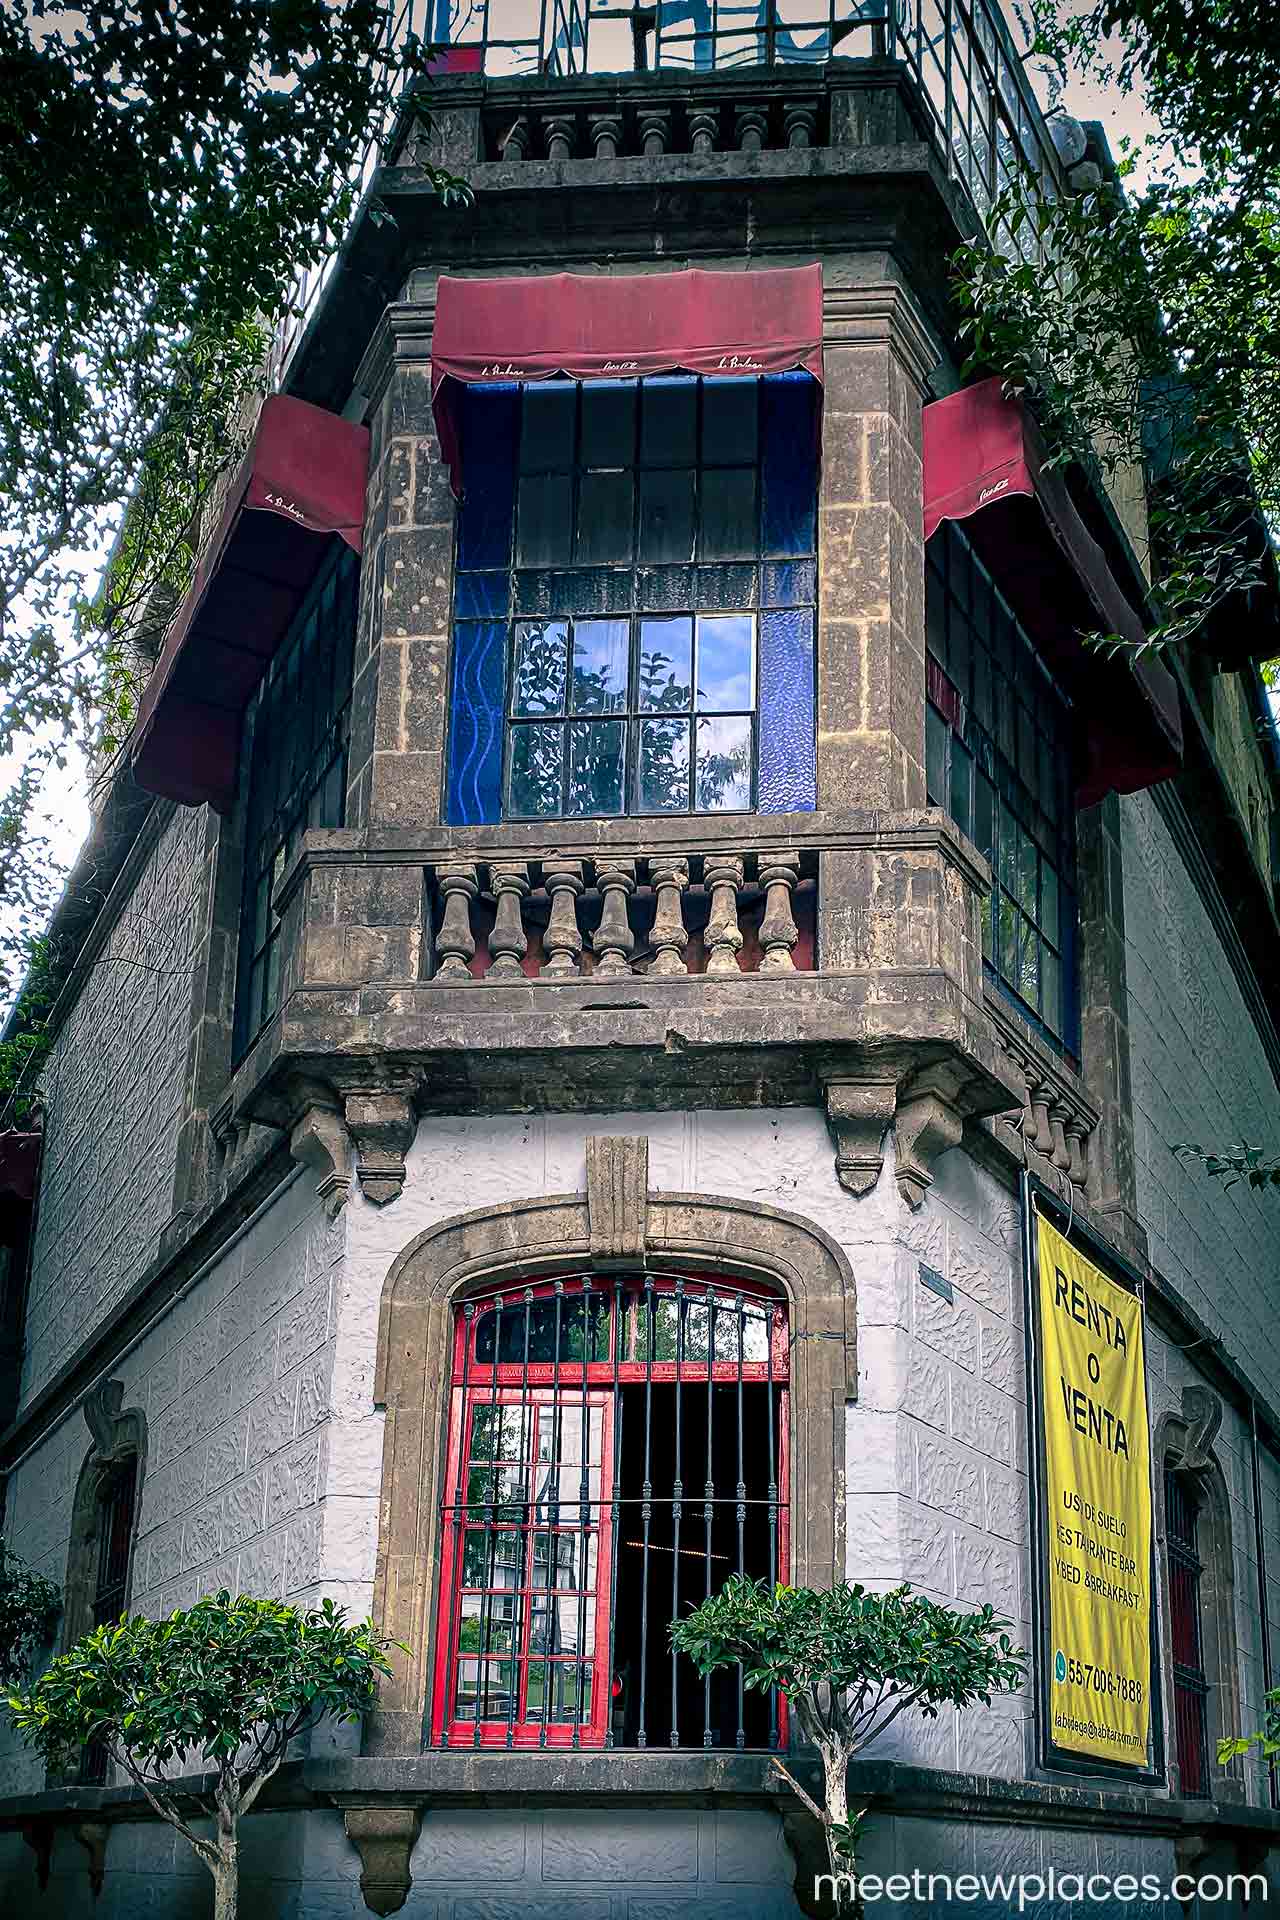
[[115, 1518], [637, 587], [288, 783], [985, 719]]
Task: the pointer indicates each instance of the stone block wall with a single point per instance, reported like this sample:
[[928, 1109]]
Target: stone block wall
[[235, 1384], [1200, 1076], [113, 1093]]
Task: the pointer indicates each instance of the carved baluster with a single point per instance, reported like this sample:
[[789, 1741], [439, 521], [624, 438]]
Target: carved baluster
[[562, 940], [1078, 1166], [704, 131], [613, 941], [801, 123], [507, 944], [654, 125], [1057, 1127], [515, 144], [606, 135], [455, 944], [778, 931], [1042, 1138], [722, 874], [669, 878], [751, 126], [558, 133]]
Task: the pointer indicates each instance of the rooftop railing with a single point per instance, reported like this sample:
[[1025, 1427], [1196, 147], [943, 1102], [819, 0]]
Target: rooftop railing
[[960, 52]]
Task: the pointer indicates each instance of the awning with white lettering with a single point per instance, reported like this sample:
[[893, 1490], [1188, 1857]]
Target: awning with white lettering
[[301, 484], [619, 327]]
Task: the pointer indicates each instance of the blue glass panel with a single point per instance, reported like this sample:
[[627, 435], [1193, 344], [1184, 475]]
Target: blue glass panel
[[478, 594], [490, 422], [727, 586], [788, 448], [475, 732], [788, 780], [789, 583]]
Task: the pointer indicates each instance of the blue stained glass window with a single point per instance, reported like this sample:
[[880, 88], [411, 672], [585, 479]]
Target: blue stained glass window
[[788, 746], [490, 422], [475, 736], [689, 505], [788, 439]]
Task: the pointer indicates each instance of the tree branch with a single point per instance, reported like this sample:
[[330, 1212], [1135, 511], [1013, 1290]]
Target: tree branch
[[820, 1814]]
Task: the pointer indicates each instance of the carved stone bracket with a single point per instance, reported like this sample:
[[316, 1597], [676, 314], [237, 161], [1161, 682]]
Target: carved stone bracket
[[384, 1837], [114, 1433], [860, 1113], [93, 1836], [1202, 1411], [38, 1835], [929, 1121], [382, 1124], [617, 1199], [320, 1140]]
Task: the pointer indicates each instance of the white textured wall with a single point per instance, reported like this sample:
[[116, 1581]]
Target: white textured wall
[[1199, 1076], [113, 1089], [235, 1382], [936, 1491]]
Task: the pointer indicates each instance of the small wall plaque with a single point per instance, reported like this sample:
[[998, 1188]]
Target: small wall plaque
[[936, 1283]]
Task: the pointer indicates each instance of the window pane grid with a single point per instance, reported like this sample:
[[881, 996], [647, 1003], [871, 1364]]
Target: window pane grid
[[293, 766], [649, 538], [998, 760], [634, 1428]]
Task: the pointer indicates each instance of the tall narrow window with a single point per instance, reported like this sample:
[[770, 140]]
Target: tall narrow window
[[999, 761], [115, 1514], [1190, 1685], [293, 765], [616, 1450], [634, 599]]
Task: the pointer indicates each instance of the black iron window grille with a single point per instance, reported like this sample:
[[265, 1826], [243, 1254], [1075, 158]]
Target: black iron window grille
[[293, 770], [617, 1448], [998, 758], [1190, 1683], [115, 1515]]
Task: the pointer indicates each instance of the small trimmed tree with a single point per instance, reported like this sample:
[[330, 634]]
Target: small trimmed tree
[[29, 1609], [849, 1662], [229, 1682]]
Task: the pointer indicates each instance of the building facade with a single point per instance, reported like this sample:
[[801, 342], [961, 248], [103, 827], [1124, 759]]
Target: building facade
[[626, 867]]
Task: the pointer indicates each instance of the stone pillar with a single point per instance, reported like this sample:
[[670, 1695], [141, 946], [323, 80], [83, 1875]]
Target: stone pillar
[[1104, 1022], [400, 695], [871, 588]]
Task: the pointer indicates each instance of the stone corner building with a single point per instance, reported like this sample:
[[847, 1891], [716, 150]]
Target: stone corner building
[[603, 912]]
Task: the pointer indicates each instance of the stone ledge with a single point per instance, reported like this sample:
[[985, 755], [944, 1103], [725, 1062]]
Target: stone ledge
[[666, 1779]]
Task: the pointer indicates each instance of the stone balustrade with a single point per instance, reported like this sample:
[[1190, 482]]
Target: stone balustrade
[[1055, 1120], [554, 127], [659, 915]]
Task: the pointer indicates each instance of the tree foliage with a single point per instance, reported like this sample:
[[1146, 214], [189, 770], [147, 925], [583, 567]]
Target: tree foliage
[[849, 1662], [165, 173], [1145, 313], [229, 1683], [29, 1609]]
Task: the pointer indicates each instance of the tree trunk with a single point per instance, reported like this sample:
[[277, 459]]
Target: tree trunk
[[835, 1769], [226, 1879]]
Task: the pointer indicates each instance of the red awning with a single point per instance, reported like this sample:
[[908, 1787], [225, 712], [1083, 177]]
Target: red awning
[[302, 480], [984, 464], [607, 327]]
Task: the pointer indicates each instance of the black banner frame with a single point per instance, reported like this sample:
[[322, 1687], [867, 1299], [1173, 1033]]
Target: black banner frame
[[1050, 1756]]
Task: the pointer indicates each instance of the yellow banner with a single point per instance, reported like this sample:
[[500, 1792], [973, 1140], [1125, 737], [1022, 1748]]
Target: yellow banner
[[1098, 1504]]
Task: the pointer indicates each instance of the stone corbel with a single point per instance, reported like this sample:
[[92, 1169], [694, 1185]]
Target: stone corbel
[[93, 1836], [38, 1835], [384, 1837], [617, 1200], [382, 1123], [1202, 1411], [319, 1140], [859, 1114], [929, 1122]]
